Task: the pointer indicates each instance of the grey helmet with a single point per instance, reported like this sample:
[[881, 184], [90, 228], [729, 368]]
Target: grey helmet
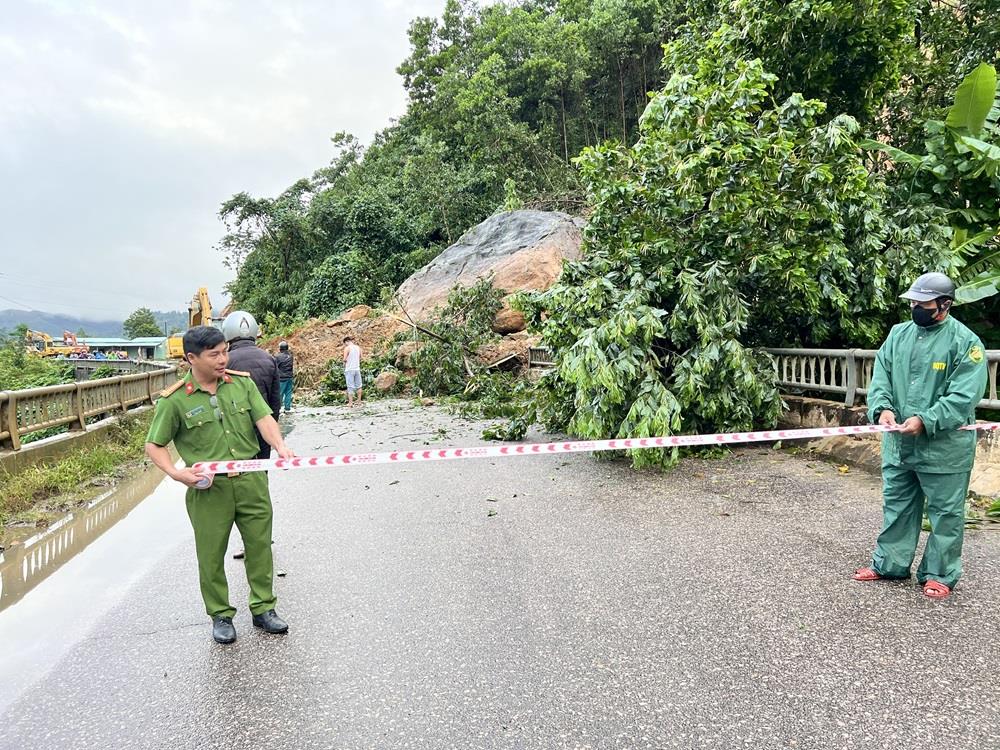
[[283, 346], [240, 325], [930, 286]]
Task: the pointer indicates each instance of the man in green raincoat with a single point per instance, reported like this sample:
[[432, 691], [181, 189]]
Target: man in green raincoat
[[929, 375]]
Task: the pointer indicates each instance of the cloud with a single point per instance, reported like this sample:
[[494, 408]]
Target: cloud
[[124, 125]]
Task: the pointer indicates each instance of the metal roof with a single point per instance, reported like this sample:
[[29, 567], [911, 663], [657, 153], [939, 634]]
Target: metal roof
[[147, 341]]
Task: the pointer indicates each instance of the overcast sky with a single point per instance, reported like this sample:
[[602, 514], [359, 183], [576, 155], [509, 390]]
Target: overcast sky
[[124, 125]]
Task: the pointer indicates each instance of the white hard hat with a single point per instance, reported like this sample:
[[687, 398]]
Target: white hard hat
[[240, 325]]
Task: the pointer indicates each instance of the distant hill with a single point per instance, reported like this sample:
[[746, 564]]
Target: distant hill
[[54, 324]]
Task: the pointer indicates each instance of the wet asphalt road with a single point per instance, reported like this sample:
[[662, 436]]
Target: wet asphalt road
[[544, 602]]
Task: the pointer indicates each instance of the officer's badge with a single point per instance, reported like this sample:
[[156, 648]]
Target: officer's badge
[[976, 354]]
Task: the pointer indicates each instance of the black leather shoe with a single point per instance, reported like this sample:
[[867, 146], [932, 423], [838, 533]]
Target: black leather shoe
[[223, 630], [269, 622]]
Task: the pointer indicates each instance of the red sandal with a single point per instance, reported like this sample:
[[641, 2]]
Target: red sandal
[[936, 590], [866, 574]]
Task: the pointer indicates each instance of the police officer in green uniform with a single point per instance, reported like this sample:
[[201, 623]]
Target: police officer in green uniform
[[929, 375], [210, 416]]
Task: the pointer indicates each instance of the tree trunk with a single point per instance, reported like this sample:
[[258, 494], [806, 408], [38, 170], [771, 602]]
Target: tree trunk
[[447, 229], [621, 90], [645, 88], [562, 99]]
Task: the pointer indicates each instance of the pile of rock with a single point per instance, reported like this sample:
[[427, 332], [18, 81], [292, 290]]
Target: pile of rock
[[522, 250]]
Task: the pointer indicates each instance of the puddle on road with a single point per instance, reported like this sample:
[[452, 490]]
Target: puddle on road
[[26, 563]]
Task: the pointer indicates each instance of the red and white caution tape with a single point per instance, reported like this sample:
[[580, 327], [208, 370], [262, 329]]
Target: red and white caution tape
[[537, 449]]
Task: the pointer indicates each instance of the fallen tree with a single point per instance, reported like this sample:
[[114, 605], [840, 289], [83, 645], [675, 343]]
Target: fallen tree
[[735, 221]]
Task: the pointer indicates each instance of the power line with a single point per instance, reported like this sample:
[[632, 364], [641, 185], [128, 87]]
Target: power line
[[20, 281], [57, 299], [15, 302]]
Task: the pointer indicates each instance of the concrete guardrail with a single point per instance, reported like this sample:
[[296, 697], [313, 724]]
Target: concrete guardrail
[[846, 372]]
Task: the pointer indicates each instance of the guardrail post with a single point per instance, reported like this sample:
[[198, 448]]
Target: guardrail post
[[11, 419], [851, 386], [121, 394], [81, 420], [149, 386]]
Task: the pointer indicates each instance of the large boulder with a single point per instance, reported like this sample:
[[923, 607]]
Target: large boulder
[[509, 320], [386, 381], [359, 312], [523, 249], [405, 352]]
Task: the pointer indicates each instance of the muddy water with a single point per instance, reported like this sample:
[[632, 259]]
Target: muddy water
[[27, 562]]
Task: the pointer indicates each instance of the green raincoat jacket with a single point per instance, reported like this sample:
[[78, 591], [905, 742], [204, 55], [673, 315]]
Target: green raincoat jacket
[[939, 374]]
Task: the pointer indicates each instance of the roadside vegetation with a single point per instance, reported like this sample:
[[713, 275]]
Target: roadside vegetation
[[20, 370], [32, 496], [794, 165]]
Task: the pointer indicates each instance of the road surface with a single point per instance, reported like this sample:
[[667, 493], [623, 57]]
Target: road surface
[[541, 602]]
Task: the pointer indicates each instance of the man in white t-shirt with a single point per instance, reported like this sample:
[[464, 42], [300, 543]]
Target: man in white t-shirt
[[352, 370]]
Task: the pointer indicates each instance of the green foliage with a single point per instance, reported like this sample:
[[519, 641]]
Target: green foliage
[[950, 39], [959, 176], [279, 326], [500, 395], [735, 221], [103, 371], [499, 95], [973, 100], [141, 323], [19, 370], [446, 360], [848, 53]]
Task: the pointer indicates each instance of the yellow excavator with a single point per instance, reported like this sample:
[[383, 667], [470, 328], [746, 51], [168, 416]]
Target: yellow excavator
[[41, 344], [199, 314]]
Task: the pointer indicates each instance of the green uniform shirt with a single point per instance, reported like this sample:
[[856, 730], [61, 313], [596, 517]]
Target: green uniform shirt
[[203, 431], [938, 374]]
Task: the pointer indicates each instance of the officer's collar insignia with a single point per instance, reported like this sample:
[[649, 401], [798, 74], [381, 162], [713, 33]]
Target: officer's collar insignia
[[227, 378], [976, 354], [189, 388]]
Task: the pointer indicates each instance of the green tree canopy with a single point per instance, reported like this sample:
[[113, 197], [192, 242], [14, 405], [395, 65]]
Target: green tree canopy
[[141, 323], [736, 220]]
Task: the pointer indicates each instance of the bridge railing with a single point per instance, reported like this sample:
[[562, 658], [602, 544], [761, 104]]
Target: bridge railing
[[848, 372], [842, 372], [32, 410], [84, 368]]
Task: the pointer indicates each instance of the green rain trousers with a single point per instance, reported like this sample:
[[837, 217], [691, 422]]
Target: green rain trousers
[[245, 501], [938, 374], [903, 496]]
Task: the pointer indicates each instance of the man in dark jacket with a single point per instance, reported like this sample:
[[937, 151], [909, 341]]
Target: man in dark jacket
[[286, 374], [241, 330]]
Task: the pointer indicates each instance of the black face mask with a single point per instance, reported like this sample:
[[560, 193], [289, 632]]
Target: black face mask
[[922, 316]]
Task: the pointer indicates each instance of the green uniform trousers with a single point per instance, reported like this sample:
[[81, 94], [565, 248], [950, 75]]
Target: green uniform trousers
[[245, 501], [904, 491]]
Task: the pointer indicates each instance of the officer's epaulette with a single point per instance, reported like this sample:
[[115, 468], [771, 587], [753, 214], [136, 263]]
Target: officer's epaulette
[[167, 391], [238, 372]]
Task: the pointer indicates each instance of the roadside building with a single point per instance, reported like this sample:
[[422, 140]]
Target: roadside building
[[154, 347]]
